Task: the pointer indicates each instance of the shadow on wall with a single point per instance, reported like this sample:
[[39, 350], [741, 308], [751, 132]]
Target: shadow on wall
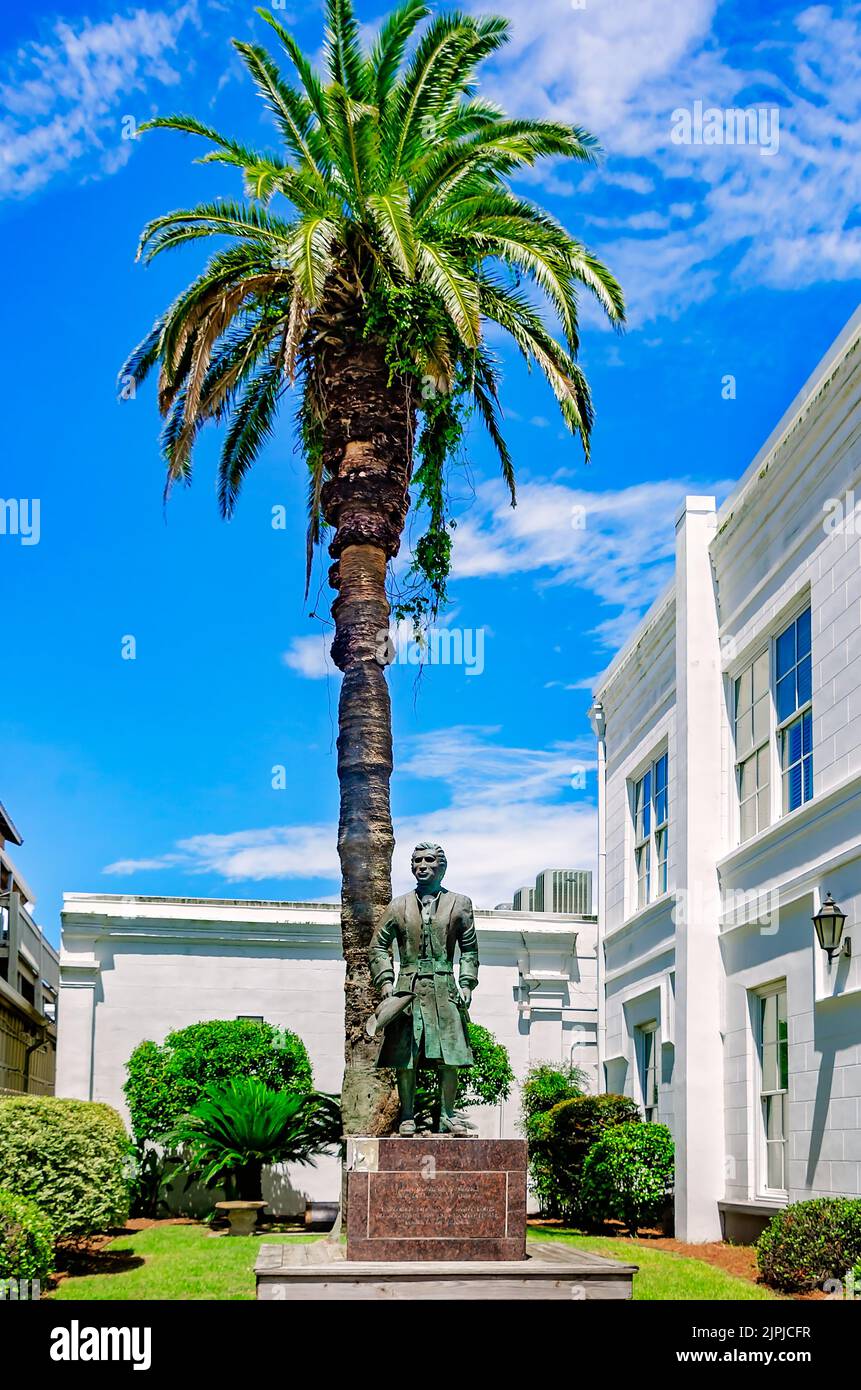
[[196, 1200], [837, 1029]]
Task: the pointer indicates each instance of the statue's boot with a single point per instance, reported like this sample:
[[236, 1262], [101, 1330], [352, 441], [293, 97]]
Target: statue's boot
[[450, 1124], [407, 1129]]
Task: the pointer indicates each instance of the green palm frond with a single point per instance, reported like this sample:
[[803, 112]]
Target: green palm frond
[[250, 428], [390, 46], [386, 211], [213, 219], [348, 66], [244, 1121], [393, 217]]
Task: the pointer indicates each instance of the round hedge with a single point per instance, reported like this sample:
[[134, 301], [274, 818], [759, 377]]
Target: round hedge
[[810, 1242], [628, 1175], [26, 1239], [70, 1156], [165, 1081], [545, 1085], [560, 1139]]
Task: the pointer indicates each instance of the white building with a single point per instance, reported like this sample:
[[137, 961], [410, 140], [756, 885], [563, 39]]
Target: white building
[[729, 730], [133, 968]]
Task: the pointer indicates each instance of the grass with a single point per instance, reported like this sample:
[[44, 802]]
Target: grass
[[664, 1276], [177, 1263], [186, 1263]]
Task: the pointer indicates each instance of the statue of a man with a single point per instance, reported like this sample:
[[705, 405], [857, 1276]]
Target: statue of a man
[[427, 924]]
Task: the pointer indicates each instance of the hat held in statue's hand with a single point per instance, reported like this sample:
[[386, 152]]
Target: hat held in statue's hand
[[388, 1009]]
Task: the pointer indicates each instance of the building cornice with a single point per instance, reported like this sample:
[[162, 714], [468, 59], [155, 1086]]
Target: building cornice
[[238, 923], [762, 846], [644, 916], [821, 380], [663, 609]]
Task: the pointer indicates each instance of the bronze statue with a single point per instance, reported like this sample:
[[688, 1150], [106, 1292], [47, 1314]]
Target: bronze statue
[[424, 1015]]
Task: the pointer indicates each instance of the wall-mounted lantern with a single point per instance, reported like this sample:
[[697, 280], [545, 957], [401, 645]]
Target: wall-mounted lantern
[[829, 922]]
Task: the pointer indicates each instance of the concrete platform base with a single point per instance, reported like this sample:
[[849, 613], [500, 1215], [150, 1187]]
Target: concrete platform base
[[551, 1270]]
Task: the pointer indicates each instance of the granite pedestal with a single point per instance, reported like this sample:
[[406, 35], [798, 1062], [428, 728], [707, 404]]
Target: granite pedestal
[[436, 1199], [437, 1218]]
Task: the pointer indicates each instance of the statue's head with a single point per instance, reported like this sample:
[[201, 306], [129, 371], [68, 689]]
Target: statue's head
[[429, 864]]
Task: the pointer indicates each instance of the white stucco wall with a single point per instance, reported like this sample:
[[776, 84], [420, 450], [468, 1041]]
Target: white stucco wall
[[770, 555]]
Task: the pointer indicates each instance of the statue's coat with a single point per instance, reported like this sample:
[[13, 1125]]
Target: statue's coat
[[442, 1014]]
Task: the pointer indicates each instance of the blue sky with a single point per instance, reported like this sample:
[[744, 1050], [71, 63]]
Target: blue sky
[[155, 775]]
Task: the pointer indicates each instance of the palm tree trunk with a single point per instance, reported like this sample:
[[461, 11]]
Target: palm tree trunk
[[368, 434]]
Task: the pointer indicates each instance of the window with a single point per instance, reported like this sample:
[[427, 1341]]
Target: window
[[774, 1086], [661, 800], [648, 1039], [792, 723], [643, 836], [794, 714], [651, 817], [753, 746]]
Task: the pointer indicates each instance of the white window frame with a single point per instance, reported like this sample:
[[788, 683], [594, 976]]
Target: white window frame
[[642, 810], [776, 728], [652, 884], [782, 727], [647, 1035], [756, 748], [762, 1097]]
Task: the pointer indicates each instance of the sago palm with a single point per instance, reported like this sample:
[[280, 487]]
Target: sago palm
[[236, 1128], [362, 266]]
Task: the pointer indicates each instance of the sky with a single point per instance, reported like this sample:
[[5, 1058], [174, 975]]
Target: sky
[[205, 765]]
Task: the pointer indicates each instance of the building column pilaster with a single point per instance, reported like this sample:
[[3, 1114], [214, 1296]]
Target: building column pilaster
[[698, 1072]]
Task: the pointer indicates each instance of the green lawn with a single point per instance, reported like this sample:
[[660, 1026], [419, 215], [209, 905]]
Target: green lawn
[[664, 1276], [186, 1263], [176, 1263]]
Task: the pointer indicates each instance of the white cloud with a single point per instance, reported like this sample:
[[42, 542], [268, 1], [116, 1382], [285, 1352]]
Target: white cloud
[[309, 656], [511, 812], [617, 545], [622, 68], [587, 683], [66, 97]]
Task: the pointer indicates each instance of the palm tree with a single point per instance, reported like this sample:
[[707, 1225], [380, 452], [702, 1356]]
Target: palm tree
[[362, 266]]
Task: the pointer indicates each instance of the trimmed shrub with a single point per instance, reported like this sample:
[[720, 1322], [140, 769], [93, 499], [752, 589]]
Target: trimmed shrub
[[809, 1242], [545, 1085], [165, 1081], [70, 1156], [563, 1137], [26, 1239], [628, 1175], [489, 1080]]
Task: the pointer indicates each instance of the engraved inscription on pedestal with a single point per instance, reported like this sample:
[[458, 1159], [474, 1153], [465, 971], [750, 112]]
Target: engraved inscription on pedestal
[[407, 1205], [432, 1199]]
